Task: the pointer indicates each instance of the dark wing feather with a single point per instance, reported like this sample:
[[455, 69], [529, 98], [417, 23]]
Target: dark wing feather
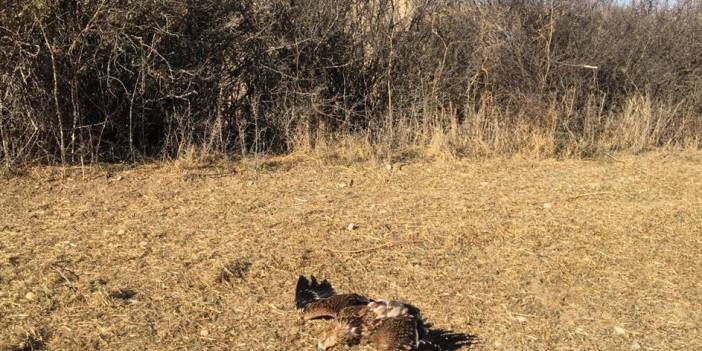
[[413, 311], [426, 345], [307, 291]]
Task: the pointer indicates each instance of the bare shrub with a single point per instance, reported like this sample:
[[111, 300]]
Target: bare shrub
[[88, 81]]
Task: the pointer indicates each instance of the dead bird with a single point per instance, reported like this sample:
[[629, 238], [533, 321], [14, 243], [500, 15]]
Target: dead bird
[[387, 324]]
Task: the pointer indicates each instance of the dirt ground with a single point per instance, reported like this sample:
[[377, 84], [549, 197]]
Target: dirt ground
[[515, 254]]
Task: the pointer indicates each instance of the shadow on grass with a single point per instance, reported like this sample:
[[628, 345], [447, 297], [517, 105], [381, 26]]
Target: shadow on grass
[[447, 340]]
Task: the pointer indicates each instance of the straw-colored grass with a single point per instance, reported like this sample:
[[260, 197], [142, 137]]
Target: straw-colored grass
[[525, 255]]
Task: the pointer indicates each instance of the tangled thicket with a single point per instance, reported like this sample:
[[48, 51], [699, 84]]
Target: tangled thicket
[[89, 81]]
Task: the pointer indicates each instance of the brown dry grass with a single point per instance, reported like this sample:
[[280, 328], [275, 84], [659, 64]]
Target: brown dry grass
[[524, 254]]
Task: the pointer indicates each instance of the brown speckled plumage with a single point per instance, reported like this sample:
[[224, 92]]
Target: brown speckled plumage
[[395, 334], [387, 325], [360, 317], [331, 307], [352, 324]]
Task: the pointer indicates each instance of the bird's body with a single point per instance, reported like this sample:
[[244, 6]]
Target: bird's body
[[360, 315], [351, 326]]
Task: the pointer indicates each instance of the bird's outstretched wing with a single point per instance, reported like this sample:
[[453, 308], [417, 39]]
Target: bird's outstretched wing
[[308, 291], [319, 300]]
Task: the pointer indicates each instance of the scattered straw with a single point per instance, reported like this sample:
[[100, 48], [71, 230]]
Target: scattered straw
[[379, 247], [588, 195], [157, 262]]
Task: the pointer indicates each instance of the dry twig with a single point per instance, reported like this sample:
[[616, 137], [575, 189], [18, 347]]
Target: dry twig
[[384, 246]]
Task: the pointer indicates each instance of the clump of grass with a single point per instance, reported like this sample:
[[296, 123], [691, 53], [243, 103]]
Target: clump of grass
[[32, 339], [124, 294], [233, 270]]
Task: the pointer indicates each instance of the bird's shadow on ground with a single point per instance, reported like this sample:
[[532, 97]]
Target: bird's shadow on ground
[[448, 340], [441, 339]]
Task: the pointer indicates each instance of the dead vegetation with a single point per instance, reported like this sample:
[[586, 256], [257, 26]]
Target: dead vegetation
[[234, 270], [524, 254], [84, 82]]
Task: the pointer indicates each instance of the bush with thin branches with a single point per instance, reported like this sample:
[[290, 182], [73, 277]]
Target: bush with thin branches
[[93, 81]]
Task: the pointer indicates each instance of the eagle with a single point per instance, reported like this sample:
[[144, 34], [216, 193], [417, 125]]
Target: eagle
[[388, 325]]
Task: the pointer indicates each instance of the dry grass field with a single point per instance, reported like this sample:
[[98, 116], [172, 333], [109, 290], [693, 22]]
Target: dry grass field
[[519, 254]]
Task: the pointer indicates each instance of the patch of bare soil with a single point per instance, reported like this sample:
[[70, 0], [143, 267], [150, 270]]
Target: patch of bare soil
[[522, 254]]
